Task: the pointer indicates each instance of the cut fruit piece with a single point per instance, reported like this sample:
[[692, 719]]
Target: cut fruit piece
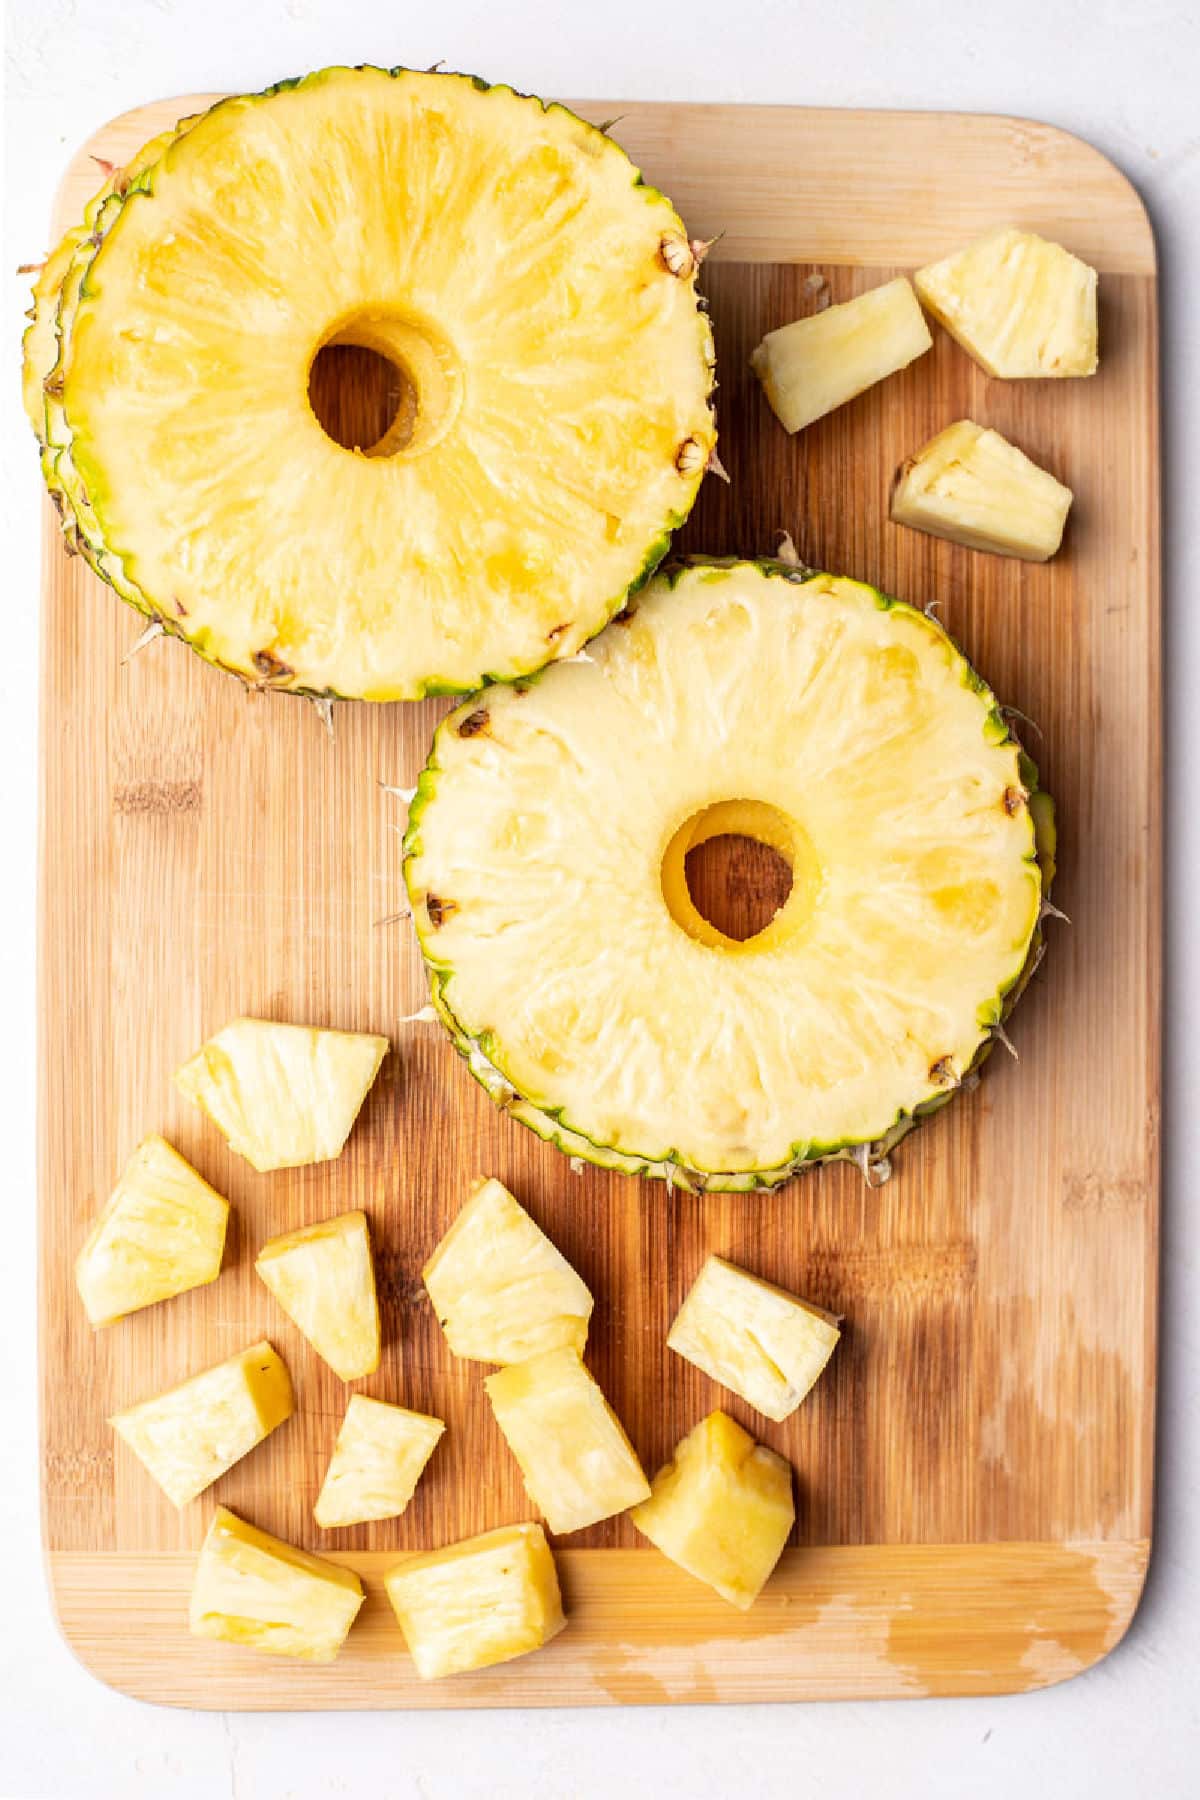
[[376, 1464], [162, 1232], [283, 1095], [500, 1289], [1020, 305], [758, 1340], [323, 1276], [546, 855], [816, 364], [577, 1463], [973, 487], [478, 1602], [190, 1435], [538, 304], [251, 1588], [721, 1508]]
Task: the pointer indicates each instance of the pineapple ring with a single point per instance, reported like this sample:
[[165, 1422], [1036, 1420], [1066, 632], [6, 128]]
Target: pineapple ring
[[509, 259], [544, 862]]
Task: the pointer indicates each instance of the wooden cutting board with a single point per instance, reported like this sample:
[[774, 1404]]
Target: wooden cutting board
[[974, 1470]]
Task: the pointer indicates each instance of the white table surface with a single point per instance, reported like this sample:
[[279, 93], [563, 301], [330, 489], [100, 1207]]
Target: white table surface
[[1123, 76]]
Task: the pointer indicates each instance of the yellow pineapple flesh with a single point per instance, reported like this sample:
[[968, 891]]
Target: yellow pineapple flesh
[[972, 486], [816, 364], [478, 1602], [501, 1290], [577, 1463], [722, 1509], [284, 1095], [379, 1456], [1021, 305], [763, 1343], [191, 1434], [161, 1232], [251, 1588], [323, 1276]]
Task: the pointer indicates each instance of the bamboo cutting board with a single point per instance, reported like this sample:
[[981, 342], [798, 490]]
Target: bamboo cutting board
[[974, 1470]]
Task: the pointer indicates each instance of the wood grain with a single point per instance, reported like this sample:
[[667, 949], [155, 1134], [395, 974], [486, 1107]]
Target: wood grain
[[975, 1469]]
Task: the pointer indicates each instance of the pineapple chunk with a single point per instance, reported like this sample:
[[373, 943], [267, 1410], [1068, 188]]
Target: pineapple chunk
[[576, 1461], [190, 1435], [376, 1462], [324, 1279], [816, 364], [162, 1231], [283, 1095], [975, 488], [501, 1290], [721, 1508], [1019, 304], [478, 1602], [760, 1341], [251, 1588]]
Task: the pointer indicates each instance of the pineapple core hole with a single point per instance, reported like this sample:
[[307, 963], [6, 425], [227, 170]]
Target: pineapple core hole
[[384, 385], [739, 875]]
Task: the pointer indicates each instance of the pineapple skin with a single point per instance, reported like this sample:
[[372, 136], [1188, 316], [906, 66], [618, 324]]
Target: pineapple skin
[[764, 1344], [323, 1276], [1022, 306], [972, 487], [378, 1459], [501, 1290], [482, 1601], [256, 1590], [190, 1435], [576, 1461], [722, 1509], [161, 1232], [816, 364], [283, 1095]]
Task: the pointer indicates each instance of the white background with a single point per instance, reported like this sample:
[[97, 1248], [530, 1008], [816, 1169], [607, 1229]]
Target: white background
[[1122, 75]]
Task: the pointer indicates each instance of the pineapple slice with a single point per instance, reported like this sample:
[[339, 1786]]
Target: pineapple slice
[[1019, 304], [162, 1232], [972, 486], [760, 1341], [816, 364], [721, 1508], [376, 1462], [478, 1602], [190, 1435], [283, 1095], [251, 1588], [501, 1290], [324, 1279], [576, 1460]]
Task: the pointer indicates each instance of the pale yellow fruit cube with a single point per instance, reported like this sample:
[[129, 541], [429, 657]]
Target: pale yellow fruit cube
[[722, 1509], [323, 1276], [577, 1463], [1020, 304], [251, 1588], [191, 1434], [377, 1461], [972, 486], [763, 1343], [283, 1095], [478, 1602], [162, 1232], [816, 364], [500, 1289]]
